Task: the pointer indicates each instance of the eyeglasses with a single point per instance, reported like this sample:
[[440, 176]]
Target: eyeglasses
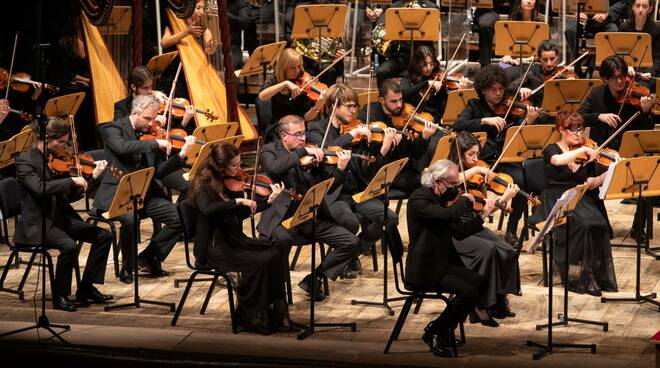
[[351, 106], [298, 135], [618, 78], [576, 131]]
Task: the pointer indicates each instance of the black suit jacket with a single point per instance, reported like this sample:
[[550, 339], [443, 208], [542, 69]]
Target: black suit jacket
[[59, 192], [128, 154], [431, 227], [123, 107]]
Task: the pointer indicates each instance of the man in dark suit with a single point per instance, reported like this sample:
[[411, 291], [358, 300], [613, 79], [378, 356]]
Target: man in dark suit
[[433, 264], [63, 224], [127, 153], [288, 160]]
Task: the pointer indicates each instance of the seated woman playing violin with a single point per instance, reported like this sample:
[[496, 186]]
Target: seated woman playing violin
[[262, 307], [603, 111], [480, 114], [424, 74], [484, 252], [642, 22], [285, 93], [589, 249]]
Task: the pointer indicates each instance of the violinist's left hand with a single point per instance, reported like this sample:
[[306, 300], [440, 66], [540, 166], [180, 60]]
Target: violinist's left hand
[[429, 130], [644, 76], [646, 103], [100, 167], [532, 114], [189, 114], [190, 142], [343, 157], [277, 190], [36, 91], [510, 192], [340, 52], [600, 17], [4, 109], [361, 130]]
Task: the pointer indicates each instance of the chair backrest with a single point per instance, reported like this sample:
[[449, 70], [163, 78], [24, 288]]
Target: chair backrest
[[534, 175], [395, 246], [264, 114], [188, 217], [10, 198]]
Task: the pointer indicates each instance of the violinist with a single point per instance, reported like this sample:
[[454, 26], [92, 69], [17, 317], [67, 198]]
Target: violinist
[[642, 22], [64, 227], [262, 307], [484, 252], [389, 105], [601, 108], [421, 76], [589, 249], [128, 154], [433, 264], [479, 115], [289, 161], [286, 98], [4, 109]]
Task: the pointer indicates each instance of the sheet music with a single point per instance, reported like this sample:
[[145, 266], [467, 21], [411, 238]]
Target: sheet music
[[556, 212], [607, 181]]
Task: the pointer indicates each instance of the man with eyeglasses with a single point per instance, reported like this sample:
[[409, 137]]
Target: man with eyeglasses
[[289, 160], [601, 109]]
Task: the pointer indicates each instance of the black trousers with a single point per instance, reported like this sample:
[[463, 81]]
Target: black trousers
[[63, 237], [161, 210], [392, 67], [484, 23], [518, 203], [344, 244], [466, 285]]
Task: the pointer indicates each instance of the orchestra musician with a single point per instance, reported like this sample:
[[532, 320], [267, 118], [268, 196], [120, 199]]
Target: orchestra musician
[[433, 264], [601, 108], [262, 307], [286, 97], [288, 160], [421, 75], [64, 227], [484, 252], [127, 153], [479, 115], [589, 249], [642, 22], [4, 109]]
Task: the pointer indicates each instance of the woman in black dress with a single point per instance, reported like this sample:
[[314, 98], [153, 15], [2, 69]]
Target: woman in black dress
[[591, 268], [484, 252], [262, 307]]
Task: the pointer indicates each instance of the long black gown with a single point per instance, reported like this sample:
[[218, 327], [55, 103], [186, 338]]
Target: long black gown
[[260, 292], [590, 251]]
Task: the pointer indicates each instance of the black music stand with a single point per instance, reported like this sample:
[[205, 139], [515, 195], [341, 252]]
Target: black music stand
[[307, 210], [560, 215], [129, 197], [412, 24], [634, 178], [380, 186], [560, 92], [519, 38], [321, 20]]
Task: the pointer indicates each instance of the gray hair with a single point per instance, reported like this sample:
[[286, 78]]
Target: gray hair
[[439, 170], [288, 120], [144, 102]]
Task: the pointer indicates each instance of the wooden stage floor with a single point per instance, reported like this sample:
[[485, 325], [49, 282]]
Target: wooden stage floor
[[209, 336]]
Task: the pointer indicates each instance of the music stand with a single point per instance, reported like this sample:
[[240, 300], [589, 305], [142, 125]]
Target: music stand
[[364, 97], [204, 151], [64, 106], [23, 141], [529, 143], [445, 143], [656, 107], [560, 92], [321, 20], [380, 186], [482, 4], [129, 197], [159, 63], [412, 24], [560, 215], [262, 58], [519, 38], [633, 47], [7, 153], [209, 133], [456, 102], [306, 211], [633, 178]]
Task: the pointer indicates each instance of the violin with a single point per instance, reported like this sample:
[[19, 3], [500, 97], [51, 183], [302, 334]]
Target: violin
[[479, 200], [418, 121], [314, 89], [24, 115], [453, 81], [497, 183], [179, 108], [633, 97], [177, 137], [244, 182], [560, 72], [64, 163], [330, 155], [518, 110], [21, 82], [606, 156], [377, 128]]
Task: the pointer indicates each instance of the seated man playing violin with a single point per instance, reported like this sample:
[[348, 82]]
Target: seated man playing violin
[[288, 160], [128, 154], [480, 114], [64, 227], [389, 109], [603, 111]]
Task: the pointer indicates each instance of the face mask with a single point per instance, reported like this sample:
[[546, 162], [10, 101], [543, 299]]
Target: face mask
[[449, 194]]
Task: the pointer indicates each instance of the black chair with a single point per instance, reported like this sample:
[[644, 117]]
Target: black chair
[[188, 216], [264, 115], [10, 205], [534, 179], [396, 250]]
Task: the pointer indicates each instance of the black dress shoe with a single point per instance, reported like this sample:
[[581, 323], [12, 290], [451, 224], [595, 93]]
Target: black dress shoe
[[201, 265], [511, 238], [92, 294], [348, 273], [125, 277], [355, 264], [63, 303], [501, 309], [434, 342], [490, 322], [291, 327], [306, 284], [151, 265]]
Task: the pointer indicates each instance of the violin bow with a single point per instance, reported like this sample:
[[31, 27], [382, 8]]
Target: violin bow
[[460, 163], [74, 145], [327, 129], [168, 109], [11, 66], [309, 82], [443, 75], [522, 81], [557, 74], [608, 140], [254, 183]]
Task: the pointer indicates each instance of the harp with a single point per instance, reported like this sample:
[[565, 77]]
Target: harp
[[205, 87]]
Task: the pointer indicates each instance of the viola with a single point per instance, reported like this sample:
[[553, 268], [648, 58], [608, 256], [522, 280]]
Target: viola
[[21, 82], [179, 108], [606, 156], [497, 183], [479, 200], [314, 89], [245, 182], [330, 155], [177, 137]]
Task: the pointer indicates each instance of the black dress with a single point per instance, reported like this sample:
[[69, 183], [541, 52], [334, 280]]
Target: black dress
[[260, 291], [590, 251]]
